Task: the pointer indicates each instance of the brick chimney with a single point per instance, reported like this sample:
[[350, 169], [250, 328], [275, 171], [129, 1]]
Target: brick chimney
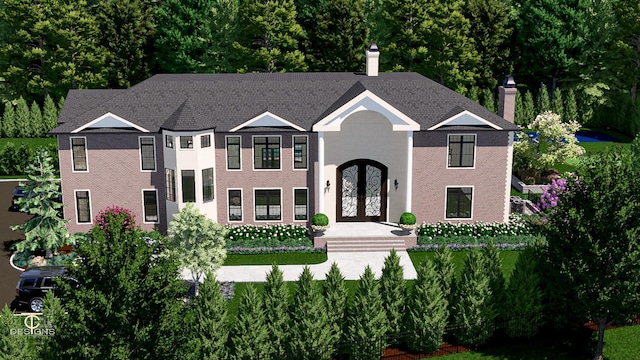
[[507, 99], [373, 56]]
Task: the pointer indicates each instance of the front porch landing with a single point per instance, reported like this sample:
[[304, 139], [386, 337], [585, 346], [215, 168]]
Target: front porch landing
[[365, 236]]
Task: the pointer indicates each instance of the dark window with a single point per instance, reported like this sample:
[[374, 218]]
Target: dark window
[[300, 207], [268, 205], [186, 142], [188, 186], [235, 205], [266, 152], [459, 203], [79, 151], [47, 282], [83, 207], [299, 152], [205, 141], [207, 184], [29, 282], [461, 150], [170, 182], [148, 153], [233, 152], [150, 200], [168, 140]]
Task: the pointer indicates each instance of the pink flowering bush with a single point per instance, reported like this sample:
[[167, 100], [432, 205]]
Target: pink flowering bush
[[550, 194], [123, 216]]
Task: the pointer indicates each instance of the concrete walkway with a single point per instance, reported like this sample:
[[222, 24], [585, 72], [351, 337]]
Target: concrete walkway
[[351, 264]]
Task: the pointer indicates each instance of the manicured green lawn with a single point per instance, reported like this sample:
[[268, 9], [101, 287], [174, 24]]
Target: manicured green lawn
[[279, 259], [508, 260], [30, 142], [622, 343]]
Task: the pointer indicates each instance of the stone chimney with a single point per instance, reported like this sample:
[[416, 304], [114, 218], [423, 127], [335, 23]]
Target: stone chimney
[[373, 57], [507, 99]]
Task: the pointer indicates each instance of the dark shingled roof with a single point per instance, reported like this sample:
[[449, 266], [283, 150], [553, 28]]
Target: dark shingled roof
[[184, 102]]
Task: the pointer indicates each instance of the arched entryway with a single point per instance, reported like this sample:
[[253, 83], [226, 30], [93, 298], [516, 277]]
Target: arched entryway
[[362, 191]]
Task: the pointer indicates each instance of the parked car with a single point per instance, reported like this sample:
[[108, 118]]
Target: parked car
[[18, 192], [34, 284]]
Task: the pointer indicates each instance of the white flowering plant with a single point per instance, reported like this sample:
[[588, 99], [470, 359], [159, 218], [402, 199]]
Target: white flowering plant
[[282, 237]]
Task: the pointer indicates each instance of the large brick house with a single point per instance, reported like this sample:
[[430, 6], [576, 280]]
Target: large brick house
[[277, 148]]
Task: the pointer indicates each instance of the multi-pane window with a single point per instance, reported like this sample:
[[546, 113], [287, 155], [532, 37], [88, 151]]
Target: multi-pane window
[[79, 153], [168, 141], [205, 141], [188, 186], [461, 150], [299, 152], [268, 205], [150, 201], [266, 152], [233, 152], [170, 184], [207, 184], [459, 202], [186, 142], [300, 204], [235, 205], [83, 207], [148, 153]]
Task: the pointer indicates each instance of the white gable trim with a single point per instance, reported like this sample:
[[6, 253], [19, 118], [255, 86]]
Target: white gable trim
[[109, 120], [267, 119], [465, 118], [363, 102]]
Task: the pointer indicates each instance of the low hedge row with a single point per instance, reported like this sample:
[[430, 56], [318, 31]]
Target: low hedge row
[[516, 226], [268, 239], [462, 243]]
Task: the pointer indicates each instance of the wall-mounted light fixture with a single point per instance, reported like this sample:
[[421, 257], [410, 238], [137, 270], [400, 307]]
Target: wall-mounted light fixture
[[395, 184], [328, 184]]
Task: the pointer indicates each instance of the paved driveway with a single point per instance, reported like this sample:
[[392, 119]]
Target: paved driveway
[[8, 275]]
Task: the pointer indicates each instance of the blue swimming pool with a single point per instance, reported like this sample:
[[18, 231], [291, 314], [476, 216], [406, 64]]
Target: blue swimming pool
[[585, 136]]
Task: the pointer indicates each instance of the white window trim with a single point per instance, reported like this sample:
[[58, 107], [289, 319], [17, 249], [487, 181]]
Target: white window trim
[[210, 141], [75, 206], [294, 203], [253, 193], [253, 150], [473, 201], [179, 146], [293, 153], [475, 152], [155, 161], [241, 206], [226, 153], [86, 153], [144, 214]]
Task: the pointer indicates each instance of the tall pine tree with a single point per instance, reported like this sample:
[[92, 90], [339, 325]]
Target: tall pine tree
[[524, 295], [9, 121], [334, 293], [23, 119], [276, 311], [36, 124], [446, 273], [493, 268], [211, 323], [250, 335], [50, 114], [571, 108], [393, 291]]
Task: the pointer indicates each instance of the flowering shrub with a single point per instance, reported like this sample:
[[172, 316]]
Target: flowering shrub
[[291, 237], [274, 250], [515, 227], [549, 197], [102, 219], [464, 247], [227, 289]]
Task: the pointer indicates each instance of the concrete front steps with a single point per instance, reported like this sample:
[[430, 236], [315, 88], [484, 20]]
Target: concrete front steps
[[366, 244]]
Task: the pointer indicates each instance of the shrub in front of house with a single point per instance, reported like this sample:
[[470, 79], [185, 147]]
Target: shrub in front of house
[[515, 227], [463, 243], [277, 238], [407, 218], [320, 219]]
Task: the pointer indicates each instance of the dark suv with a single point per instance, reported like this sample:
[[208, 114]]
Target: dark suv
[[34, 285]]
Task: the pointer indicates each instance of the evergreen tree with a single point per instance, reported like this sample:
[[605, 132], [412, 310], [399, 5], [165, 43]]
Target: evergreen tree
[[53, 48], [335, 301], [49, 114], [310, 334], [36, 124], [571, 108], [23, 119], [183, 35], [493, 268], [473, 306], [544, 102], [9, 121], [393, 291], [430, 37], [367, 323], [250, 336], [276, 310], [427, 310], [53, 316], [268, 41], [530, 107], [339, 37], [224, 31], [557, 105], [446, 273], [474, 94], [211, 323], [524, 295], [126, 33], [491, 30], [60, 104], [14, 346], [488, 100]]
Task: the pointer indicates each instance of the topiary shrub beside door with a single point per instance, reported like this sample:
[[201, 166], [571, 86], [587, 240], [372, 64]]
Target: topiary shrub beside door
[[407, 221], [320, 222]]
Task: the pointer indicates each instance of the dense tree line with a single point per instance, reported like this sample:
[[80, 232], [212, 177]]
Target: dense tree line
[[589, 47]]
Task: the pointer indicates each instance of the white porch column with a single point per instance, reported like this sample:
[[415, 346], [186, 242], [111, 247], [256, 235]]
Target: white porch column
[[409, 176], [321, 172]]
